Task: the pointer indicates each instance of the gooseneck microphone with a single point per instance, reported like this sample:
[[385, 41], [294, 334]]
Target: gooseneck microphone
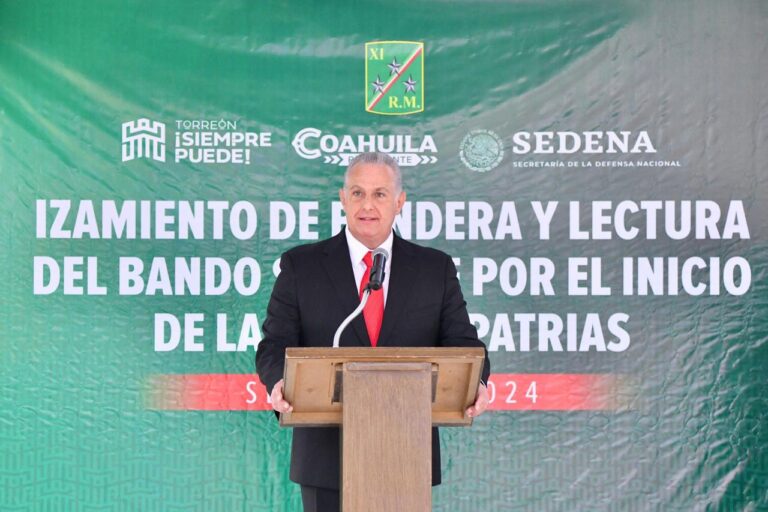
[[375, 281]]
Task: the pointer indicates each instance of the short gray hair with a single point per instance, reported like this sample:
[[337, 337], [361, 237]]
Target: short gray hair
[[377, 158]]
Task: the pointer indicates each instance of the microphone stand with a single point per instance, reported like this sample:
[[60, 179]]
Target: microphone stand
[[352, 316]]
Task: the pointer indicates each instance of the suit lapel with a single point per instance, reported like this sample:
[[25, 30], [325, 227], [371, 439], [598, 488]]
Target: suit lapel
[[403, 275], [339, 269]]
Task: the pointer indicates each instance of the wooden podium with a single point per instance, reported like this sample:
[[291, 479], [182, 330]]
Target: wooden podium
[[386, 401]]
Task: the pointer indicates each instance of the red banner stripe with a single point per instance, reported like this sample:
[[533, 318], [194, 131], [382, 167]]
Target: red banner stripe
[[508, 392]]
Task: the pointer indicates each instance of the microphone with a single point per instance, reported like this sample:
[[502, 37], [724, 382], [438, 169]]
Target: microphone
[[378, 273], [375, 280]]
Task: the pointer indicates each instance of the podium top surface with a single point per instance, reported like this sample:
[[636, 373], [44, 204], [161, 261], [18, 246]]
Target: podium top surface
[[382, 353], [314, 380]]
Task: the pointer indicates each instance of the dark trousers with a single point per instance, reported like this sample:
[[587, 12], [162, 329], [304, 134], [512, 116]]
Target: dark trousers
[[317, 499]]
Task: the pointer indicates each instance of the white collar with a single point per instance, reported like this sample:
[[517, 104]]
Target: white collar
[[357, 250]]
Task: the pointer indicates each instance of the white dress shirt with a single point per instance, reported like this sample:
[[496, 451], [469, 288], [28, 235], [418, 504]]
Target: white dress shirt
[[357, 252]]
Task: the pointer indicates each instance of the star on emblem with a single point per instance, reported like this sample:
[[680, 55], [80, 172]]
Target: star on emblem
[[410, 84], [378, 85], [394, 67]]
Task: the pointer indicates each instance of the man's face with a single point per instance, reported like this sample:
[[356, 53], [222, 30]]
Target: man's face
[[370, 201]]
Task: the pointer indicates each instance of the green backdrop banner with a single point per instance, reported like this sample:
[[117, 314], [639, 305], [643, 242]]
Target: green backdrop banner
[[596, 169]]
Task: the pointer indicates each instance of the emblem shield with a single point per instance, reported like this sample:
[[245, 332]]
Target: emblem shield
[[394, 77]]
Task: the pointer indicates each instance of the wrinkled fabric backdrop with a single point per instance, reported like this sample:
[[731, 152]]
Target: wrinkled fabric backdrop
[[94, 416]]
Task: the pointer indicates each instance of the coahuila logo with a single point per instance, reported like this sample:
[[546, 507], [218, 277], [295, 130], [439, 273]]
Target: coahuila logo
[[407, 150], [143, 138]]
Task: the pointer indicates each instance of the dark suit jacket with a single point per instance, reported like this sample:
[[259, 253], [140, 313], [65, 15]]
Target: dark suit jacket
[[313, 294]]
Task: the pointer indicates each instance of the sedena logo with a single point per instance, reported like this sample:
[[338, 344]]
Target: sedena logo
[[143, 138], [394, 77]]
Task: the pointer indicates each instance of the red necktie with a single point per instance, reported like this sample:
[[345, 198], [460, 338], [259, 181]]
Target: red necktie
[[374, 308]]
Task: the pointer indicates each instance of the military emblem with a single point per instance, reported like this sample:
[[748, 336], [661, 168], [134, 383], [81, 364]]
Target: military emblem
[[394, 77]]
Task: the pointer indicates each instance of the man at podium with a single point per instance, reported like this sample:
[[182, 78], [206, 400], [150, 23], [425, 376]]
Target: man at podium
[[420, 304]]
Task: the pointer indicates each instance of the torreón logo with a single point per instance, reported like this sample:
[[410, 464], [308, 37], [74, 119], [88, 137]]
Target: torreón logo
[[394, 77], [407, 150], [143, 138], [194, 141]]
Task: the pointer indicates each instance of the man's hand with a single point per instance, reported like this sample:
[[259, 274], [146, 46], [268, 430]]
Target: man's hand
[[481, 402], [280, 405]]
